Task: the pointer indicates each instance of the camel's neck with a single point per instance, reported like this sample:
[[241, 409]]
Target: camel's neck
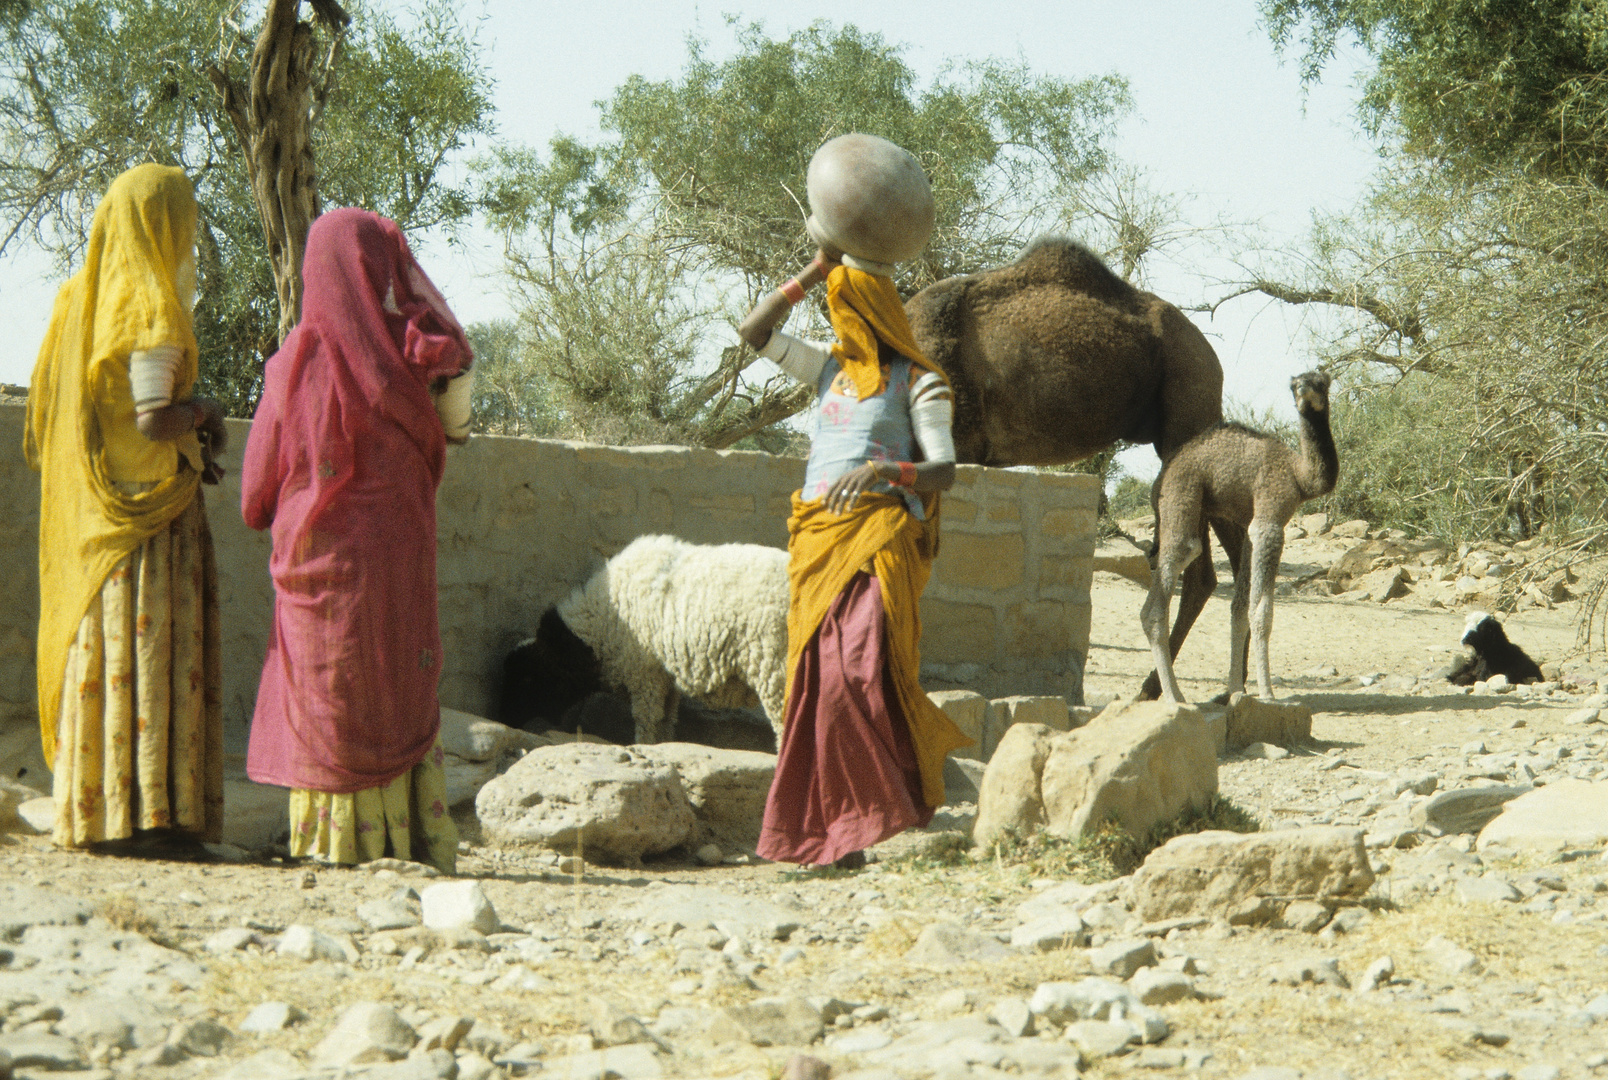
[[1320, 465]]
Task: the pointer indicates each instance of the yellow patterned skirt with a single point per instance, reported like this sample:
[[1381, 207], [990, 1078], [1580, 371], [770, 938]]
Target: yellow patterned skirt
[[140, 735], [404, 819]]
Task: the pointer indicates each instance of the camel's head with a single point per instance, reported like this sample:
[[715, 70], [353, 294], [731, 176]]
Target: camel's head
[[1311, 390]]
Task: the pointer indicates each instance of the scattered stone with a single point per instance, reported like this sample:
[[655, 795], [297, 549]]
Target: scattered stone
[[1322, 970], [1013, 1015], [1307, 916], [805, 1067], [1101, 1038], [616, 802], [444, 1033], [1123, 958], [41, 1050], [306, 943], [946, 945], [1264, 751], [271, 1016], [1565, 814], [1486, 890], [1590, 715], [231, 939], [389, 913], [636, 1062], [200, 1038], [366, 1033], [774, 1021], [458, 905], [1153, 986], [37, 815], [709, 855], [1063, 930], [1237, 876], [22, 906], [1451, 957], [1376, 975]]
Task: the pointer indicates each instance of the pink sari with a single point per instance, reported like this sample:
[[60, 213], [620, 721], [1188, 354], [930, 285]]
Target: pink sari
[[342, 463]]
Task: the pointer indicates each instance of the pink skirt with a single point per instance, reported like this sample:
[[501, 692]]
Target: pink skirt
[[846, 774]]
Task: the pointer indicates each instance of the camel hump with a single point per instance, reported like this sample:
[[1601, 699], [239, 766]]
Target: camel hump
[[1062, 261]]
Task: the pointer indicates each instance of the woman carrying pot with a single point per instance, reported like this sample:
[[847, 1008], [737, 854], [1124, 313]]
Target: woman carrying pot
[[863, 750]]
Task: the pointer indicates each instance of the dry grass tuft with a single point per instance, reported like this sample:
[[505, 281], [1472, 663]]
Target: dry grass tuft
[[125, 913]]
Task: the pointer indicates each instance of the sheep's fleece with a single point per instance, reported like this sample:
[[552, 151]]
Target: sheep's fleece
[[665, 616]]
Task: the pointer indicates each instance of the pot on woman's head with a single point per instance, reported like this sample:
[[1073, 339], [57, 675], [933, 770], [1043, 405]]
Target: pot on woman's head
[[870, 200]]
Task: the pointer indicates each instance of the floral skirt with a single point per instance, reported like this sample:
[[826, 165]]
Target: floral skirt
[[405, 819], [140, 736]]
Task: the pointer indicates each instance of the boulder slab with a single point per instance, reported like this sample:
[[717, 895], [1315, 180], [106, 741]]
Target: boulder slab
[[1564, 814], [1251, 878], [726, 788], [611, 802]]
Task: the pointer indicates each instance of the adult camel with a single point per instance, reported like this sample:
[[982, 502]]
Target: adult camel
[[1054, 358]]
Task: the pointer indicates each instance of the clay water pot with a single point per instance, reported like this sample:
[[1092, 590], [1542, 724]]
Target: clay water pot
[[870, 199]]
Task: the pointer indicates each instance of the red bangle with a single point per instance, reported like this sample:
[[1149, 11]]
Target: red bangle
[[792, 290]]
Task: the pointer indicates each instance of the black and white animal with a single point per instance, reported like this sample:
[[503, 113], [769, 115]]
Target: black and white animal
[[660, 619], [1493, 654]]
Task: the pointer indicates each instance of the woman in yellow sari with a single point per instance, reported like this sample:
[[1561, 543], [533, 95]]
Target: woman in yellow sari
[[863, 748], [130, 709]]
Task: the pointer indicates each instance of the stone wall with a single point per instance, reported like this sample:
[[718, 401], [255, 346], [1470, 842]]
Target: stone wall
[[522, 521]]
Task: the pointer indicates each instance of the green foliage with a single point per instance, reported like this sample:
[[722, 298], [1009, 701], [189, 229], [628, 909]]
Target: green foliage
[[1479, 82], [511, 398], [1129, 499], [692, 207], [89, 88]]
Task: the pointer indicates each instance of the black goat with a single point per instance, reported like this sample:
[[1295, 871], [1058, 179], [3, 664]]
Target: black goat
[[1493, 654]]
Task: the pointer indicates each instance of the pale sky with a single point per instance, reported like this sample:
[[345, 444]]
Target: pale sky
[[1217, 118]]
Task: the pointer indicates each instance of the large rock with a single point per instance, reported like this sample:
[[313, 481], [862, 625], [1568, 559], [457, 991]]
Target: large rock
[[458, 905], [1250, 878], [366, 1033], [464, 779], [774, 1021], [1011, 798], [726, 788], [1279, 723], [1139, 764], [1566, 813], [944, 944], [1386, 583], [611, 803], [1465, 810]]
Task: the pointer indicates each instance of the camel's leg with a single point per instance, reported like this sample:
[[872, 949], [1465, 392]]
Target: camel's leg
[[1239, 620], [1199, 580], [1267, 546], [1172, 559], [1235, 542]]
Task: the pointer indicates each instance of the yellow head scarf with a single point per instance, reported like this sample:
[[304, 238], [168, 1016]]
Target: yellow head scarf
[[865, 308], [123, 300]]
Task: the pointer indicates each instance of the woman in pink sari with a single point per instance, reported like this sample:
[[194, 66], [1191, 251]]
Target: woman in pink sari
[[344, 457]]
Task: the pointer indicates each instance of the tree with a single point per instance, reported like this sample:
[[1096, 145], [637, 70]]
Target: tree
[[1470, 82], [89, 88], [693, 206]]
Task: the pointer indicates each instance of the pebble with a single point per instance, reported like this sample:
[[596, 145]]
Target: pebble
[[367, 1032], [271, 1016], [458, 905]]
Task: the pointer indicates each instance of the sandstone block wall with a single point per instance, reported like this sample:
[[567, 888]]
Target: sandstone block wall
[[522, 521]]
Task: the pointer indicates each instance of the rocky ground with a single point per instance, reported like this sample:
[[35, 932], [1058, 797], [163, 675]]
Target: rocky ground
[[1459, 962]]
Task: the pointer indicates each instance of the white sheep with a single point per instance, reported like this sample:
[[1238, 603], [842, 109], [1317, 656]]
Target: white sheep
[[660, 619]]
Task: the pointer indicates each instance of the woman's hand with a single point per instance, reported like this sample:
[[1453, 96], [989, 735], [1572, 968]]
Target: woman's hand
[[213, 431], [846, 490]]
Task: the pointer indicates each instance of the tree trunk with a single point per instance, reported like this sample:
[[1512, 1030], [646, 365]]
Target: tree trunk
[[275, 129]]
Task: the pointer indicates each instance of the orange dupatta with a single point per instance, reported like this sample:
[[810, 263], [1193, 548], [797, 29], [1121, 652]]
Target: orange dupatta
[[824, 551]]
